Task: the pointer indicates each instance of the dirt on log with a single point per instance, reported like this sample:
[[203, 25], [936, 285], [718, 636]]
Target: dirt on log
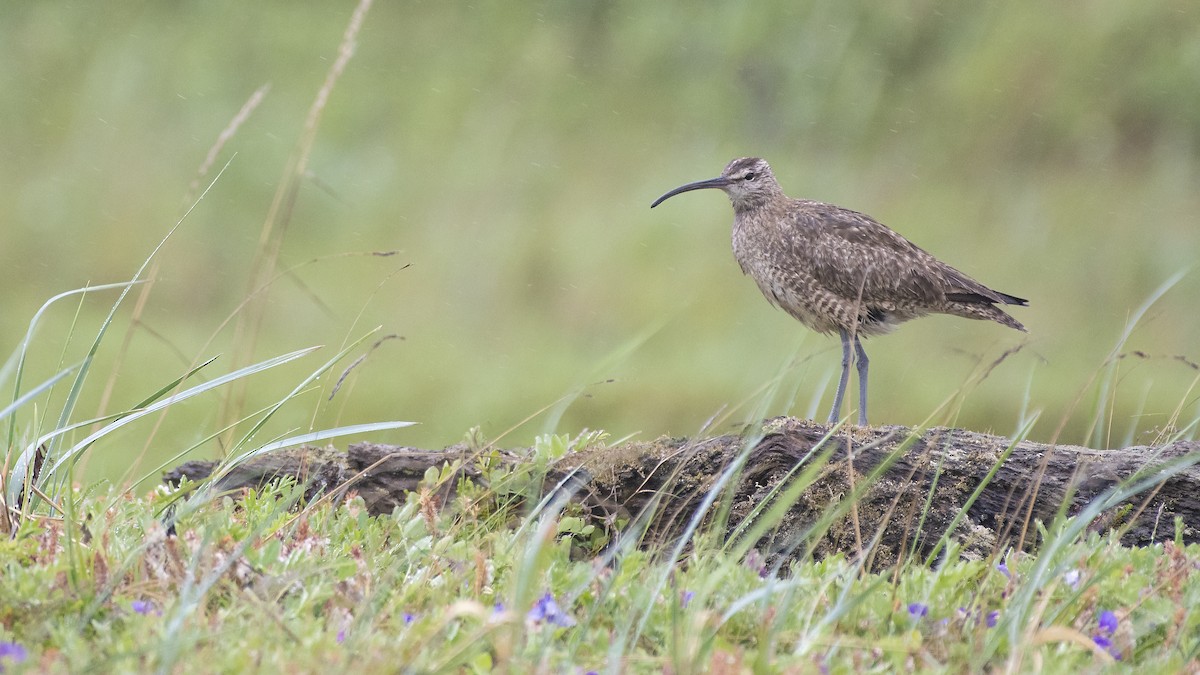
[[912, 486]]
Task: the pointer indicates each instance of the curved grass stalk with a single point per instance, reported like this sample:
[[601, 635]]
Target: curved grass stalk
[[122, 419], [16, 362]]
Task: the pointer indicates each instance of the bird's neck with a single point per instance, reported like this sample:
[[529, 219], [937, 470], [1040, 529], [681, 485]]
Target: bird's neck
[[769, 198], [762, 208]]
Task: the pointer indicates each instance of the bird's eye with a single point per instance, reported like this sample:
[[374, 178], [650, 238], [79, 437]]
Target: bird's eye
[[750, 176]]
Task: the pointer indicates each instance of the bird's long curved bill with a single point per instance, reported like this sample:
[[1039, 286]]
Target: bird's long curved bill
[[719, 182]]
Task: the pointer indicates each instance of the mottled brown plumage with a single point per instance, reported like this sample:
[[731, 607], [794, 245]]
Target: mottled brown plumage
[[836, 270]]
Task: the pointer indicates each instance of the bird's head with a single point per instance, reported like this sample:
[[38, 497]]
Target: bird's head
[[747, 181]]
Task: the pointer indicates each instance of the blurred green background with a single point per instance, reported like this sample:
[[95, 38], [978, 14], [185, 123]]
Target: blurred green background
[[510, 152]]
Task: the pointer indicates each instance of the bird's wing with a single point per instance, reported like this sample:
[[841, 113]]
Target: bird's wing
[[854, 256]]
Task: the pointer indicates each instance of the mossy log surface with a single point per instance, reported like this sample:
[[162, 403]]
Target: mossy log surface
[[912, 486]]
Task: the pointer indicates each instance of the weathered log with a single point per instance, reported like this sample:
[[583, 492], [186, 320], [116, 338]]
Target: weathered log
[[903, 507]]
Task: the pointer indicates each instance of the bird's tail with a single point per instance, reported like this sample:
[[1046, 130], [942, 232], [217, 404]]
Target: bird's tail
[[1000, 316], [1012, 299], [985, 311]]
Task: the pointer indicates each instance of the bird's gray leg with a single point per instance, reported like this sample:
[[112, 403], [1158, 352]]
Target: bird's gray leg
[[862, 381], [836, 413]]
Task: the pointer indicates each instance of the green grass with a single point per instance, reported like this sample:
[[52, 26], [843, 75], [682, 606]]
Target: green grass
[[250, 585]]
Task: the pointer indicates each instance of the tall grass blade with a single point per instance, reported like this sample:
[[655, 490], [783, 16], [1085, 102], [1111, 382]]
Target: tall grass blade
[[33, 393], [16, 362], [125, 419]]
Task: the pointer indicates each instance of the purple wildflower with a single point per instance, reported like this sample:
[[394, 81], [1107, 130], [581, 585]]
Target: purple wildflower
[[409, 618], [1107, 624], [1003, 569], [498, 608], [686, 598], [145, 608], [992, 618], [1071, 578], [11, 651], [547, 610], [1107, 645], [917, 610], [341, 636], [756, 562]]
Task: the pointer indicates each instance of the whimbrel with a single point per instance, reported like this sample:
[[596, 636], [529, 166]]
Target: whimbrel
[[836, 270]]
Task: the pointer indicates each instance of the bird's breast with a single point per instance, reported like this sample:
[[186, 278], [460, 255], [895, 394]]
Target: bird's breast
[[786, 284]]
